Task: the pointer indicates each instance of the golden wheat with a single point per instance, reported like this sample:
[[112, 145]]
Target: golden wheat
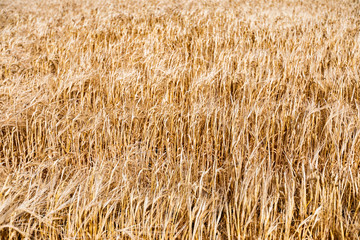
[[179, 119]]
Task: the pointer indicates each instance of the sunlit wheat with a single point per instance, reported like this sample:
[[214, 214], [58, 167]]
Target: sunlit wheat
[[124, 119]]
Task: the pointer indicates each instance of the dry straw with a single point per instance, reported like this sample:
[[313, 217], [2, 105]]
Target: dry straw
[[179, 119]]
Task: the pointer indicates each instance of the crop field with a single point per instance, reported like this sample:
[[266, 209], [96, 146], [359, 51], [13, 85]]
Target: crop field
[[179, 119]]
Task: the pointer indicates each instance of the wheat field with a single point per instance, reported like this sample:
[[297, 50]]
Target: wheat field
[[135, 119]]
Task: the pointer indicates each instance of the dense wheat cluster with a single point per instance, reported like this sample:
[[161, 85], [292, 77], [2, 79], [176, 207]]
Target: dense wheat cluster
[[179, 119]]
